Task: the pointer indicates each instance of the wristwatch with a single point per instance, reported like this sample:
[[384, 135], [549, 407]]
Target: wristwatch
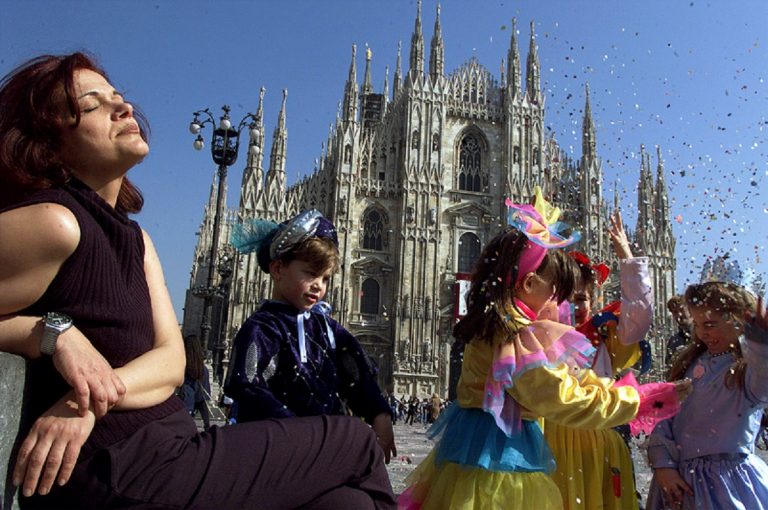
[[54, 324]]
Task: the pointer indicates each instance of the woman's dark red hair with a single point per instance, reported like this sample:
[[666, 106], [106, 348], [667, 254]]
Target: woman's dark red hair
[[34, 98]]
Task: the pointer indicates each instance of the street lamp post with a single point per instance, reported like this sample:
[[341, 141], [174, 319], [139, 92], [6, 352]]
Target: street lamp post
[[225, 142]]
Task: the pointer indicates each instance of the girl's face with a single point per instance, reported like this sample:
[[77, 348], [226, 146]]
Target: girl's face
[[536, 290], [108, 140], [719, 331], [299, 283]]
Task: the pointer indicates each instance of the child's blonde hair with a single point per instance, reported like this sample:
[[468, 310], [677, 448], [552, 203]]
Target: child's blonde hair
[[724, 298], [493, 287]]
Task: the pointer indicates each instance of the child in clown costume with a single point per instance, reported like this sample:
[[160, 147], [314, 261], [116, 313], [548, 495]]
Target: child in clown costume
[[491, 451], [594, 466]]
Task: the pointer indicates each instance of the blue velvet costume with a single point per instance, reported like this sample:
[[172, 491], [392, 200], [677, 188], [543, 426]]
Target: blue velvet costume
[[272, 375]]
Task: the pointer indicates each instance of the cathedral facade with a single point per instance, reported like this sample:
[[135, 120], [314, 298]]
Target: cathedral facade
[[414, 176]]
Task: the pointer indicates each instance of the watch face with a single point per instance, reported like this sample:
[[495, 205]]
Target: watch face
[[57, 319]]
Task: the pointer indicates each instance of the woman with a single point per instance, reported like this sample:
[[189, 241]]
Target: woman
[[196, 390], [82, 296]]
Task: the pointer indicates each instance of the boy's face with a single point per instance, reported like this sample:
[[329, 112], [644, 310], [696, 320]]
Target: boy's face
[[299, 283]]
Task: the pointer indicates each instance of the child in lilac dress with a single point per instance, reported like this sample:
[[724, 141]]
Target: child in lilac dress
[[703, 458]]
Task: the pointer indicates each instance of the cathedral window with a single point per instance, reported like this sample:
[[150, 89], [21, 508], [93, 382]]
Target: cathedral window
[[470, 165], [369, 297], [347, 154], [469, 251], [373, 231]]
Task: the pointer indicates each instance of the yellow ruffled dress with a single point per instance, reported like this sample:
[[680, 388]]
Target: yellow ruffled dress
[[594, 466], [491, 451]]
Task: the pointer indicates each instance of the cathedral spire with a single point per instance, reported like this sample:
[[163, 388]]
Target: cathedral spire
[[588, 142], [416, 64], [386, 84], [437, 51], [367, 86], [398, 70], [513, 63], [645, 198], [350, 91], [662, 200], [253, 175], [276, 174], [532, 74]]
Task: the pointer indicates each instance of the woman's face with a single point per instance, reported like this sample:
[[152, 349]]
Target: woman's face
[[107, 142]]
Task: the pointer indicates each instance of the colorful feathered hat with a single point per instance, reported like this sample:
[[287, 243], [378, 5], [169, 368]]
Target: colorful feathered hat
[[539, 222], [271, 240]]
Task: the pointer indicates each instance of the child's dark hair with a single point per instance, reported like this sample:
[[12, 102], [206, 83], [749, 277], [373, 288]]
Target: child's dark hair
[[724, 298], [587, 279], [493, 284], [319, 252]]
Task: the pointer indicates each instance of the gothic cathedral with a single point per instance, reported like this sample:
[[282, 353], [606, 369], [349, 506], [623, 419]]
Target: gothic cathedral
[[415, 179]]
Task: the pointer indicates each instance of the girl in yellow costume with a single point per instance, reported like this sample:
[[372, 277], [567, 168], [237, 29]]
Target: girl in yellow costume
[[594, 467], [491, 451]]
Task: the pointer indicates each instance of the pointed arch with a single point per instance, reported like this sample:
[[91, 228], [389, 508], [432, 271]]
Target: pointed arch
[[472, 160], [370, 297], [375, 221], [469, 251]]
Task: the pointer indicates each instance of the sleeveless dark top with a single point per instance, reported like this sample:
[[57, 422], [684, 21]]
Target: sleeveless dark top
[[102, 286]]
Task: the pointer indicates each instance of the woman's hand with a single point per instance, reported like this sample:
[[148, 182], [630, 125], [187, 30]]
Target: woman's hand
[[382, 425], [88, 373], [619, 237], [757, 323], [50, 450], [672, 485]]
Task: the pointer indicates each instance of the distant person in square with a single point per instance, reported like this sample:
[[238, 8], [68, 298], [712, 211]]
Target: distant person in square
[[195, 391], [290, 358]]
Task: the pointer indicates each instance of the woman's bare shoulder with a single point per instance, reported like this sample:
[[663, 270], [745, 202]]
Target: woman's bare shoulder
[[35, 241]]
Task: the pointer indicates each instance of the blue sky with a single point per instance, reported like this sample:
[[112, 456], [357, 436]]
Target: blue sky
[[689, 76]]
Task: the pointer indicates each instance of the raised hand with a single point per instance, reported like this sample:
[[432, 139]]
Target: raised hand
[[49, 452], [88, 373], [757, 323], [619, 237]]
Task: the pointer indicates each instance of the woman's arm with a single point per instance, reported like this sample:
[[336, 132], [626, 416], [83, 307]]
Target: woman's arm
[[152, 377], [35, 241], [49, 452]]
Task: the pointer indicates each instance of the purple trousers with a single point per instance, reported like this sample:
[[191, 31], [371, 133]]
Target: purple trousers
[[324, 462]]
